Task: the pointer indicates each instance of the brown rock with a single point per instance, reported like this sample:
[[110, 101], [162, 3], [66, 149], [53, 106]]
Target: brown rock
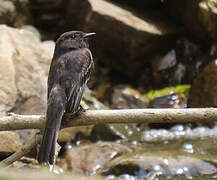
[[159, 165], [120, 96], [90, 158], [127, 98], [10, 142], [171, 100], [200, 17], [155, 4], [14, 13], [124, 37], [203, 92], [35, 173], [23, 73], [69, 134]]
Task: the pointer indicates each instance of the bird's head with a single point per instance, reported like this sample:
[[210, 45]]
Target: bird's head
[[72, 40]]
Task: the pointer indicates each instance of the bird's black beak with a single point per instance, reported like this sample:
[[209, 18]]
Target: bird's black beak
[[88, 34]]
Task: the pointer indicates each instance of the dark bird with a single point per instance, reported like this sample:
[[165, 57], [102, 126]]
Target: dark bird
[[70, 70]]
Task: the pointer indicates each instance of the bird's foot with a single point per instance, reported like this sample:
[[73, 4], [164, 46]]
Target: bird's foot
[[81, 109], [67, 117]]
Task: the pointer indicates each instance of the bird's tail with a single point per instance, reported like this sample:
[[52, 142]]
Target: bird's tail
[[55, 110]]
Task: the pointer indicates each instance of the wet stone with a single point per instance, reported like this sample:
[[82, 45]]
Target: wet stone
[[180, 65], [89, 159], [165, 62], [203, 92], [144, 165], [172, 100]]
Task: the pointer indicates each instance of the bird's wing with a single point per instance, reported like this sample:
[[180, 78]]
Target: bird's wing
[[76, 85]]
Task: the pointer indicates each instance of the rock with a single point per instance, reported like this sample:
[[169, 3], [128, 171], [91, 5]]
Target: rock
[[40, 173], [199, 17], [203, 92], [23, 74], [89, 102], [121, 97], [128, 98], [153, 4], [135, 36], [165, 62], [50, 17], [34, 31], [89, 159], [77, 12], [171, 100], [106, 132], [10, 142], [15, 13], [181, 64], [49, 47], [125, 35], [146, 165]]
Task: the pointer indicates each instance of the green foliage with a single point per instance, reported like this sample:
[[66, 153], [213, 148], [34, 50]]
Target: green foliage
[[180, 89]]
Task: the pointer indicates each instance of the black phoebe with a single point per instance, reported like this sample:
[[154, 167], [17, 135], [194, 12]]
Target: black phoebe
[[69, 72]]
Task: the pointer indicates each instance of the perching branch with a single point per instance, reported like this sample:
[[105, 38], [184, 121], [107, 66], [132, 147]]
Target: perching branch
[[90, 117], [14, 122]]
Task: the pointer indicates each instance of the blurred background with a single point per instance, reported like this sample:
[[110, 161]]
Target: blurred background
[[147, 54]]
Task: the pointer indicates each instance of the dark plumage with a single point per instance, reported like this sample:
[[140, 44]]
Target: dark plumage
[[69, 72]]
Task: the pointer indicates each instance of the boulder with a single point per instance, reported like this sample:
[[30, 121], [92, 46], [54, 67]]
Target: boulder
[[154, 4], [23, 75], [124, 37], [15, 13], [180, 65], [203, 92], [199, 17]]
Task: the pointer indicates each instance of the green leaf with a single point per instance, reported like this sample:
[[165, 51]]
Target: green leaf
[[180, 89]]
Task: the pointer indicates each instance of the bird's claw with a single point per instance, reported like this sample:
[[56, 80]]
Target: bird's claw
[[81, 109]]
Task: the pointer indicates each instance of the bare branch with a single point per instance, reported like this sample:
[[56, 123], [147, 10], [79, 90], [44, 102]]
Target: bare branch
[[90, 117], [14, 121], [22, 151]]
